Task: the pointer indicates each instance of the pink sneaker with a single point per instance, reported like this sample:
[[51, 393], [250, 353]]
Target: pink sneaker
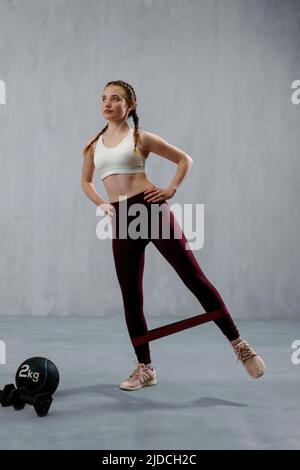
[[252, 362], [142, 376]]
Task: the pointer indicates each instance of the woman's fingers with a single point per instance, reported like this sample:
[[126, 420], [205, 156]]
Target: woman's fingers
[[150, 189], [155, 198], [153, 190], [151, 194]]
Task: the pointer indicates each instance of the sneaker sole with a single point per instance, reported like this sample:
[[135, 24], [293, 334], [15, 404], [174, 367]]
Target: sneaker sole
[[153, 382], [257, 376]]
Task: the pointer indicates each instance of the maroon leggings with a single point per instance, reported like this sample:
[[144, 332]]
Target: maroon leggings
[[129, 257]]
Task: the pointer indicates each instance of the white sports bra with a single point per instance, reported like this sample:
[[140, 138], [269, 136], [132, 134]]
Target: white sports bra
[[118, 159]]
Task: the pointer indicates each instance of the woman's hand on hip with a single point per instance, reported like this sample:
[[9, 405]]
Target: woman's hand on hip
[[108, 209], [156, 194]]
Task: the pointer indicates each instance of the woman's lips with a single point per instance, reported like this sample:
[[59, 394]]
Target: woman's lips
[[107, 111]]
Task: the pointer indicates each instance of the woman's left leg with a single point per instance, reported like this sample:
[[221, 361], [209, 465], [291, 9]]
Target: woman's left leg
[[186, 265], [184, 262]]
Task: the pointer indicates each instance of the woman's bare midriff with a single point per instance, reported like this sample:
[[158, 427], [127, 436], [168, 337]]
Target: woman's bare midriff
[[126, 184]]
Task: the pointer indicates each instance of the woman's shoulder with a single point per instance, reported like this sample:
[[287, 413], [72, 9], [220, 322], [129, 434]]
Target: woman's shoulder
[[89, 147], [142, 141], [145, 137], [94, 140], [143, 133], [148, 139]]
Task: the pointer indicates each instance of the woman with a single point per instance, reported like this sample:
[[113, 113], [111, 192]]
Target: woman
[[118, 153]]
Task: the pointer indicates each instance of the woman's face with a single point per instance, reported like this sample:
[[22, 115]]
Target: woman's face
[[113, 100]]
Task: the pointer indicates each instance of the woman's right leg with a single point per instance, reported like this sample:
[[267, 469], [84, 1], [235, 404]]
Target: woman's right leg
[[129, 257]]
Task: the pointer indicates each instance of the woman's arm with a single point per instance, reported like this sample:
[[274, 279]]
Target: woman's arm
[[153, 143], [87, 185]]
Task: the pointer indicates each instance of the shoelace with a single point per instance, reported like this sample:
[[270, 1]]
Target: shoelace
[[245, 352], [141, 372]]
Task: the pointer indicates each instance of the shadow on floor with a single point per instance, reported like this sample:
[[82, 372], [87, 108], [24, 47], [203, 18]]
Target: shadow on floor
[[134, 400]]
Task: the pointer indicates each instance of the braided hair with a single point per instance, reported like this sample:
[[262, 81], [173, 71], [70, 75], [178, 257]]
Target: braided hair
[[130, 98]]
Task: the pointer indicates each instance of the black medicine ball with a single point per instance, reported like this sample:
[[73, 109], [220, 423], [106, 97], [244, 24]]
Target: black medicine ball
[[38, 375]]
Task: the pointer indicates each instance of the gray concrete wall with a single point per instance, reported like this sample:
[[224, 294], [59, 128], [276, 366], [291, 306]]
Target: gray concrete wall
[[212, 77]]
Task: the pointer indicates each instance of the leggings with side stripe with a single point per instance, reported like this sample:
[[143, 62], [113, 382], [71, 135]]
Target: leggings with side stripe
[[129, 257]]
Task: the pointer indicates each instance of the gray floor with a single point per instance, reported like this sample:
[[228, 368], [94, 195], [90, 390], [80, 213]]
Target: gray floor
[[203, 399]]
